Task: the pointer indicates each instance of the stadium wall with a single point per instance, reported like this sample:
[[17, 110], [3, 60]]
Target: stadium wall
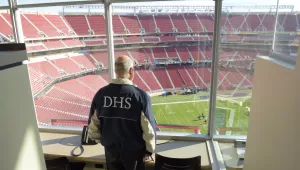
[[273, 118], [20, 141]]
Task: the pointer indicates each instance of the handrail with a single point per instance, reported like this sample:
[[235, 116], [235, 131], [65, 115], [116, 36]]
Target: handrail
[[159, 126]]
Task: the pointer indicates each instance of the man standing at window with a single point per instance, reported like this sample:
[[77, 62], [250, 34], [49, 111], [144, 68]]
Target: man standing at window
[[122, 120]]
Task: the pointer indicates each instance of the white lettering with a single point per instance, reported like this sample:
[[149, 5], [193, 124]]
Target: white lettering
[[110, 100], [127, 102], [115, 102]]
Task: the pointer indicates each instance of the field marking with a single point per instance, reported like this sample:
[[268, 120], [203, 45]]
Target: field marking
[[185, 116], [177, 121], [194, 101], [163, 115]]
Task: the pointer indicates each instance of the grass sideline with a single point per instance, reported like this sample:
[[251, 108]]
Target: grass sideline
[[187, 108]]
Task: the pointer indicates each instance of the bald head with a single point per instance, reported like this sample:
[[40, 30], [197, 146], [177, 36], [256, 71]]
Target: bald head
[[124, 67]]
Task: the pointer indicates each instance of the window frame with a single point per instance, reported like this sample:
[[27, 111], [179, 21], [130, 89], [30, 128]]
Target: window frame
[[108, 12]]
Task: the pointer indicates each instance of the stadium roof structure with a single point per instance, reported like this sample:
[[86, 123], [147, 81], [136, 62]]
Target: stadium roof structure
[[180, 9]]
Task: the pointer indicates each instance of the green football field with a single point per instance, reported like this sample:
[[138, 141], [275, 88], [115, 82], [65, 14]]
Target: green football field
[[185, 110]]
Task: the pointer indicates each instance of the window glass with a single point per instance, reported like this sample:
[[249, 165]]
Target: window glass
[[287, 37], [172, 49], [247, 32], [68, 63], [45, 1], [6, 30], [4, 3]]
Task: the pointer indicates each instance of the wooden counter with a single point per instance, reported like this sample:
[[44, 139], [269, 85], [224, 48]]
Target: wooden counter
[[61, 145]]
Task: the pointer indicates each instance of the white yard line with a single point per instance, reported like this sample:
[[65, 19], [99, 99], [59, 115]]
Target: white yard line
[[188, 108], [186, 118], [180, 102], [230, 120], [163, 114]]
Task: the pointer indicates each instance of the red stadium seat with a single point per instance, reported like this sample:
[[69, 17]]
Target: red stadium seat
[[163, 78], [78, 23], [43, 25], [97, 23], [175, 77]]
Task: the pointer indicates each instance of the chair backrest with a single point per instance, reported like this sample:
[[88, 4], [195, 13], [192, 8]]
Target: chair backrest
[[165, 163]]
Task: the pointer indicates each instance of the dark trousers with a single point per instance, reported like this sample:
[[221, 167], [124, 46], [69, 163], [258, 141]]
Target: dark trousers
[[124, 161]]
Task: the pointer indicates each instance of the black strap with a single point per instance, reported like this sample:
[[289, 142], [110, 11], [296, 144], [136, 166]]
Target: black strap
[[11, 65], [80, 153]]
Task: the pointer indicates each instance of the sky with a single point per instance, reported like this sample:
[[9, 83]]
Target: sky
[[296, 3]]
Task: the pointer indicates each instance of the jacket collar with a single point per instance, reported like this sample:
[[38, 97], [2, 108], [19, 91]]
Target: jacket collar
[[122, 81]]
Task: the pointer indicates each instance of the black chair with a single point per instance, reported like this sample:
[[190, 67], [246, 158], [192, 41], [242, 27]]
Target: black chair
[[58, 164], [63, 164], [165, 163]]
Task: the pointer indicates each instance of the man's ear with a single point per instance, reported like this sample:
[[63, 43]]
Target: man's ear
[[131, 74], [131, 70]]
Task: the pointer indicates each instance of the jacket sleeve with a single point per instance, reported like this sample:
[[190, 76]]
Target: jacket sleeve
[[94, 128], [148, 126], [94, 122]]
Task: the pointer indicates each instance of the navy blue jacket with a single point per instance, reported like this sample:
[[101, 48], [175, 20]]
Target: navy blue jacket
[[122, 119]]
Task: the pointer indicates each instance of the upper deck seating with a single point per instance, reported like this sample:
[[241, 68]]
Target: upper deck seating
[[94, 42], [72, 43], [164, 23], [207, 52], [149, 54], [54, 44], [38, 80], [132, 39], [175, 77], [150, 79], [196, 78], [95, 82], [196, 53], [131, 24], [184, 38], [43, 25], [253, 22], [204, 73], [67, 65], [77, 88], [59, 23], [45, 115], [97, 23], [193, 22], [118, 27], [138, 55], [86, 60], [58, 93], [183, 53], [186, 77], [171, 52], [78, 23], [101, 57], [179, 23], [150, 39], [62, 105], [163, 78], [147, 23], [167, 38], [35, 47], [207, 21], [140, 83], [28, 29], [5, 28], [159, 53], [237, 22], [46, 68]]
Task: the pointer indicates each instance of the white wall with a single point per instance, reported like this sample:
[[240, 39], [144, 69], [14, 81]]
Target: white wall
[[20, 144], [271, 141]]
